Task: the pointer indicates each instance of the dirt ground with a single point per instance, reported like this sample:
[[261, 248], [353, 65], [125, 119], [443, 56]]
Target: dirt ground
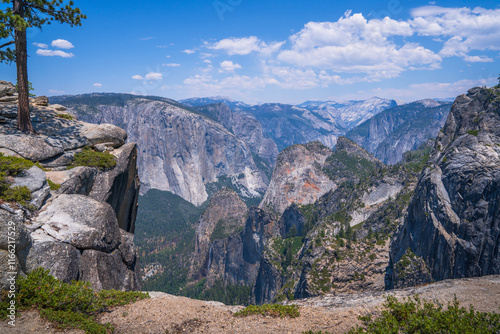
[[332, 313]]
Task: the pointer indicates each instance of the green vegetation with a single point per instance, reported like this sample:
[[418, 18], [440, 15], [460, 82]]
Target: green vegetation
[[219, 231], [67, 305], [53, 185], [13, 166], [229, 294], [165, 234], [91, 158], [341, 164], [473, 132], [274, 310], [65, 116], [414, 316]]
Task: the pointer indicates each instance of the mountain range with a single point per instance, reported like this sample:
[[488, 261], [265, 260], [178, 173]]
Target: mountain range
[[326, 203]]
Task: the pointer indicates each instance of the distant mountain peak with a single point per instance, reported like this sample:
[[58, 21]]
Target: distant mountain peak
[[429, 103]]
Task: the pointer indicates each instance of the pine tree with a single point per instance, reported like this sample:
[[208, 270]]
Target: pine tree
[[14, 20]]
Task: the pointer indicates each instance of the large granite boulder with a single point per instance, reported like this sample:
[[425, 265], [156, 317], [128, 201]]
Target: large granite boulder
[[7, 88], [78, 180], [107, 271], [62, 259], [104, 134], [81, 221]]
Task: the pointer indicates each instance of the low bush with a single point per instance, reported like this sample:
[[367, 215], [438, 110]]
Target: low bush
[[91, 158], [67, 305], [416, 316], [53, 185], [13, 166]]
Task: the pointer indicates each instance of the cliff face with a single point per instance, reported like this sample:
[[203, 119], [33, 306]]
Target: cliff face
[[452, 228], [245, 127], [181, 151], [399, 129], [83, 230], [298, 177], [225, 215]]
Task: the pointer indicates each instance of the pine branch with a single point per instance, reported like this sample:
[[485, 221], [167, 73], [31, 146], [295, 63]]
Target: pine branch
[[7, 44]]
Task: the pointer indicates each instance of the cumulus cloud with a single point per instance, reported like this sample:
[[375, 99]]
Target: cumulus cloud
[[466, 29], [354, 44], [149, 76], [41, 45], [153, 76], [188, 51], [97, 84], [51, 53], [62, 44], [229, 66], [243, 46]]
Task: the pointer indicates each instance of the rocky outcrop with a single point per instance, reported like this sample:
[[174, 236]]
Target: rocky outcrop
[[225, 215], [237, 259], [399, 129], [298, 177], [453, 220], [181, 151], [80, 231]]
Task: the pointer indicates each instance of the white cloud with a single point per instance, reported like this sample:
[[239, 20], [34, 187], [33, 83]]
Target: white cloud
[[153, 76], [477, 59], [49, 53], [62, 44], [41, 45], [207, 61], [56, 91], [356, 45], [172, 65], [467, 29], [243, 46], [97, 84], [137, 77], [187, 51], [229, 66]]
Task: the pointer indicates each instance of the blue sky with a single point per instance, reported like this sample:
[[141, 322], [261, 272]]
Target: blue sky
[[269, 51]]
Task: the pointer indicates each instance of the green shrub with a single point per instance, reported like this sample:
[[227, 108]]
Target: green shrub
[[413, 316], [65, 116], [67, 305], [53, 185], [473, 132], [17, 194], [91, 158], [274, 310], [13, 166]]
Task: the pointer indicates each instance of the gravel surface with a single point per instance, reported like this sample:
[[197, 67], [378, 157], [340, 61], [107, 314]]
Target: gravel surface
[[332, 313]]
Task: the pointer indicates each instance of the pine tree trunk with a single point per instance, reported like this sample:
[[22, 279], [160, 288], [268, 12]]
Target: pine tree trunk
[[23, 108]]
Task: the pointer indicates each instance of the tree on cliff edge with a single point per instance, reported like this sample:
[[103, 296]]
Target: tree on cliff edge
[[14, 20]]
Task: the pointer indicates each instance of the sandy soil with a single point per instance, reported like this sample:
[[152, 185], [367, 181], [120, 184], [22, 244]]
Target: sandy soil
[[333, 313]]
